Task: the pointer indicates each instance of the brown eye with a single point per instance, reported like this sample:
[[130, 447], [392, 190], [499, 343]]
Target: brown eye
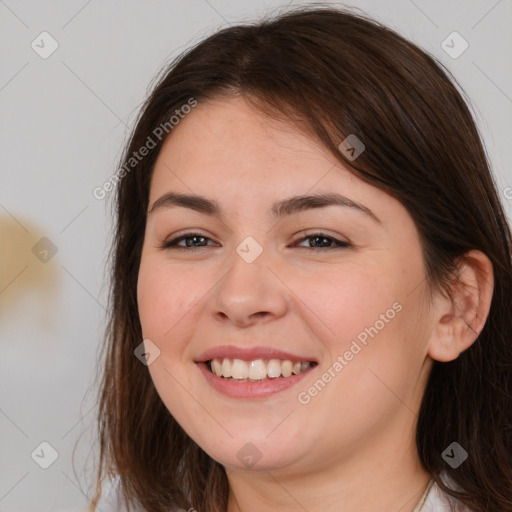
[[192, 240], [323, 241]]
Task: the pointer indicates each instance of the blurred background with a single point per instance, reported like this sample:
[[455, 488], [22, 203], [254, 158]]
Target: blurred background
[[73, 76]]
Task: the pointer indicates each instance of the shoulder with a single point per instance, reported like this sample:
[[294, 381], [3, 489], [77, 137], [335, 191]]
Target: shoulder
[[438, 501], [111, 500], [435, 501]]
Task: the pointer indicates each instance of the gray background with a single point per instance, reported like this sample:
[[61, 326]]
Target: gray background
[[63, 122]]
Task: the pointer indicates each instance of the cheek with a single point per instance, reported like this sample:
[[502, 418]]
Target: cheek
[[368, 315], [165, 297], [346, 303], [166, 300]]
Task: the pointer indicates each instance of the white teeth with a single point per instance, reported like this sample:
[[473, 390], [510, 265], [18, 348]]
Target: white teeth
[[240, 369], [226, 368], [217, 367], [257, 370], [237, 369], [286, 368], [274, 368]]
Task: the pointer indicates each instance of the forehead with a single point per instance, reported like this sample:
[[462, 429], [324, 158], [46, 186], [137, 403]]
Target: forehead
[[229, 142], [232, 134], [231, 154], [229, 151]]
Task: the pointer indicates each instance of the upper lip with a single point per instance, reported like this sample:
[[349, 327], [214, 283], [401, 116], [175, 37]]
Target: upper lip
[[249, 354]]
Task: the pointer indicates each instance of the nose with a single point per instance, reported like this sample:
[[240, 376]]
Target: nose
[[249, 293]]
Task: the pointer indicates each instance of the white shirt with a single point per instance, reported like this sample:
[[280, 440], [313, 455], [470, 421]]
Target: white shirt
[[436, 500], [433, 499]]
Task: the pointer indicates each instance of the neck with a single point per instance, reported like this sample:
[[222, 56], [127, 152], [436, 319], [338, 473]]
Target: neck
[[388, 477]]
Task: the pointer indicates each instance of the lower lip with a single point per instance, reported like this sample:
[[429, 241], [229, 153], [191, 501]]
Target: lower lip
[[235, 389]]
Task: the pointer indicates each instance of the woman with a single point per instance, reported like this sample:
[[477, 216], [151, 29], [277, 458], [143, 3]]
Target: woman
[[311, 282]]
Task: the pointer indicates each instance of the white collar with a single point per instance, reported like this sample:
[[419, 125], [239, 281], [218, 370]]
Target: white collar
[[434, 499]]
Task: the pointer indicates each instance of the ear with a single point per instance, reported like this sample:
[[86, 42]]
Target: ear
[[460, 315]]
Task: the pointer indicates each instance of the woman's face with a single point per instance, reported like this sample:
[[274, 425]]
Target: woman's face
[[257, 291]]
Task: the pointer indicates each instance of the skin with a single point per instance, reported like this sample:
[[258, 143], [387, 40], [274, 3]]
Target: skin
[[352, 446]]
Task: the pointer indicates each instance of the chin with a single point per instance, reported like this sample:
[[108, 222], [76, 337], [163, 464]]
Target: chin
[[254, 452]]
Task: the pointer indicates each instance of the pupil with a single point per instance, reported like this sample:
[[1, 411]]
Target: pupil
[[322, 239], [189, 242]]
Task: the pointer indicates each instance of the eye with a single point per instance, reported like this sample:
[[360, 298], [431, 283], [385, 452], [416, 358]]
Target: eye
[[321, 241], [192, 241]]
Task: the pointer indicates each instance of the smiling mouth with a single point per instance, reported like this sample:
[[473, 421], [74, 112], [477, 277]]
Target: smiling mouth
[[257, 370]]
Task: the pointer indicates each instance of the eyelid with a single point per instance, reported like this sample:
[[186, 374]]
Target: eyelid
[[339, 243], [321, 232], [172, 241]]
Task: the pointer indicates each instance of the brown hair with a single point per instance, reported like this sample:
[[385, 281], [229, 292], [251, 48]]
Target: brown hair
[[331, 73]]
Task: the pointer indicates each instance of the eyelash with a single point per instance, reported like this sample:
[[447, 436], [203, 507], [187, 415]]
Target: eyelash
[[172, 244]]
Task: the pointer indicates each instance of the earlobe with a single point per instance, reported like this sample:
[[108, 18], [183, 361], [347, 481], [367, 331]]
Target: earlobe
[[460, 314]]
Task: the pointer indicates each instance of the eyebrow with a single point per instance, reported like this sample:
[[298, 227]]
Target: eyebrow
[[279, 209]]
